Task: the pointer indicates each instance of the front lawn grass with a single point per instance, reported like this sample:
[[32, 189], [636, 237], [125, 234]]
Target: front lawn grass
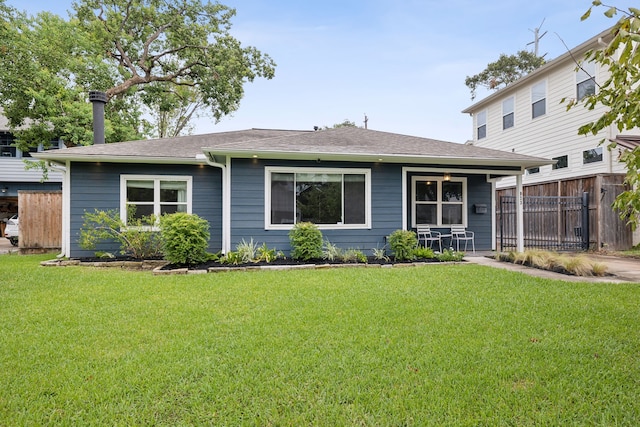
[[433, 345]]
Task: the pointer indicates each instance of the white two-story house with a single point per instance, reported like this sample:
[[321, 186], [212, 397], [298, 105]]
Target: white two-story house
[[14, 177], [528, 117]]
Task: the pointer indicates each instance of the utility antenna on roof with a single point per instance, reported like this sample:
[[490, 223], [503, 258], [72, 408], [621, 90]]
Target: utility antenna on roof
[[366, 120], [536, 38]]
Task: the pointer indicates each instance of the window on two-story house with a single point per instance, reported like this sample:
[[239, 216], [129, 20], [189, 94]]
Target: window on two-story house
[[538, 99], [330, 198], [481, 125], [507, 113], [6, 145], [438, 202], [585, 80], [592, 156], [144, 195], [561, 162], [531, 171]]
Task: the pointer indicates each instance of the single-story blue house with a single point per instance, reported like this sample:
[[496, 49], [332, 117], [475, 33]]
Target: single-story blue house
[[358, 185]]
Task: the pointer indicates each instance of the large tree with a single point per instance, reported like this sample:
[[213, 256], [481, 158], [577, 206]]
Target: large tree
[[620, 94], [147, 55], [507, 69]]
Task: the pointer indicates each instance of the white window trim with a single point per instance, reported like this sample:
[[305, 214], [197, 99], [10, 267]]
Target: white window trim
[[478, 125], [587, 76], [440, 180], [156, 191], [546, 96], [513, 112], [277, 169]]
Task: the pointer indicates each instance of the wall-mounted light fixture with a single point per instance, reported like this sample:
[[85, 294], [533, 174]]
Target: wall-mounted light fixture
[[5, 189], [447, 177]]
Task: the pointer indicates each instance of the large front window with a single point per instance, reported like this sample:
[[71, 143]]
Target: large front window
[[326, 197], [439, 202], [143, 196]]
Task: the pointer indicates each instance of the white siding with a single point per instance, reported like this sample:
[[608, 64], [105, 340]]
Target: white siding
[[12, 170], [554, 134]]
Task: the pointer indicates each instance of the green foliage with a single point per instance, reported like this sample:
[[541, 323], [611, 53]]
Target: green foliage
[[507, 69], [577, 265], [620, 94], [354, 255], [247, 251], [449, 255], [424, 253], [331, 252], [306, 241], [380, 253], [185, 238], [265, 254], [403, 243], [143, 56], [136, 237]]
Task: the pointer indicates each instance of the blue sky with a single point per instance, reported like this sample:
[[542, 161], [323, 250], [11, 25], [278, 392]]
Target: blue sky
[[401, 62]]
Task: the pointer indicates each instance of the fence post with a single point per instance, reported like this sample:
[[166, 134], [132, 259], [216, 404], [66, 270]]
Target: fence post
[[501, 223], [585, 221]]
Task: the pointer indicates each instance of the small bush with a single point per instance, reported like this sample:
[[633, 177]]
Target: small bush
[[136, 238], [354, 255], [449, 255], [231, 257], [185, 238], [403, 243], [424, 253], [380, 253], [267, 255], [331, 252], [247, 251], [306, 241]]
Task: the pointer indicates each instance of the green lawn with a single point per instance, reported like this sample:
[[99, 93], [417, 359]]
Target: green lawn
[[433, 345]]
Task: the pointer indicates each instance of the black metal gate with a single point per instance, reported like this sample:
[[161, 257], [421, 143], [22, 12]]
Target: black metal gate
[[549, 222]]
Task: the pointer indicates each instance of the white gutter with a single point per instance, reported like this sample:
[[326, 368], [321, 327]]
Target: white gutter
[[226, 198]]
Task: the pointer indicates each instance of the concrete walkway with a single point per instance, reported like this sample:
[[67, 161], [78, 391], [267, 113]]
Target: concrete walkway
[[622, 269]]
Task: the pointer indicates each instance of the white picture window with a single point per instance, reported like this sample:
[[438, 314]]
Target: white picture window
[[439, 202], [145, 195], [329, 198], [507, 113], [539, 99], [481, 125], [586, 80]]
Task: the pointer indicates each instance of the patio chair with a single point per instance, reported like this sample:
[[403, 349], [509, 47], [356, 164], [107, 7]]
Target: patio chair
[[458, 233], [425, 234]]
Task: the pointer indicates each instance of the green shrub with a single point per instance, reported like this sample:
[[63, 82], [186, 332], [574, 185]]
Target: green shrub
[[231, 257], [331, 252], [354, 255], [424, 253], [267, 255], [248, 251], [136, 238], [185, 238], [306, 241], [380, 253], [449, 255], [403, 243]]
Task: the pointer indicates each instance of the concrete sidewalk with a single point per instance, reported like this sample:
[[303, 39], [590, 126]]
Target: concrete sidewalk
[[622, 269], [6, 247]]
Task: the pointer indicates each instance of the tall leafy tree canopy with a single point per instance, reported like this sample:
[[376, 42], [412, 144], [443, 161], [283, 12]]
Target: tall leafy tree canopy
[[507, 69], [620, 94], [147, 55]]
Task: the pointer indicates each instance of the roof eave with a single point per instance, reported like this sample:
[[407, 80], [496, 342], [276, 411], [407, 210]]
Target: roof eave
[[378, 158], [116, 159]]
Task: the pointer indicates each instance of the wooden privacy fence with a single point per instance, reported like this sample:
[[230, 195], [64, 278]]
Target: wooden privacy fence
[[40, 214]]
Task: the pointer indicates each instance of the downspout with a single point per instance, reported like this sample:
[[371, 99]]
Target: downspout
[[226, 199], [66, 183]]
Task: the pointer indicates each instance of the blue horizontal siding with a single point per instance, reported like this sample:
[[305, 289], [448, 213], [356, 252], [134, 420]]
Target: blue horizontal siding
[[97, 187]]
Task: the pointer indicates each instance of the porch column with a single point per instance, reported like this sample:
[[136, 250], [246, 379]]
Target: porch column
[[519, 215]]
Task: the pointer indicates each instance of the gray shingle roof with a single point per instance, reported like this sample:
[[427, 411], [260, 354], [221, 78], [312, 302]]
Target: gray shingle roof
[[347, 143]]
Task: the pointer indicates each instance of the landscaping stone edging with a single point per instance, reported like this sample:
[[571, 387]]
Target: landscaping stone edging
[[125, 265]]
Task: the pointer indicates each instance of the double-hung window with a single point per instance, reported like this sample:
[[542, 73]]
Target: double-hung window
[[481, 125], [438, 202], [586, 80], [329, 198], [507, 113], [539, 99], [145, 195]]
